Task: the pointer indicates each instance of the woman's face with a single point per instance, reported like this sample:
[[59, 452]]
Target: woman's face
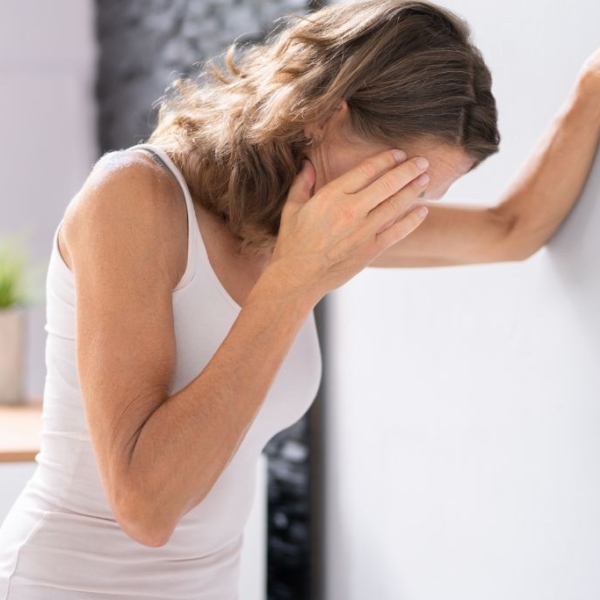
[[339, 152]]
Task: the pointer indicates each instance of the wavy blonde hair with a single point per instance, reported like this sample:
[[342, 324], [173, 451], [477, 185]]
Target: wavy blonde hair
[[406, 68]]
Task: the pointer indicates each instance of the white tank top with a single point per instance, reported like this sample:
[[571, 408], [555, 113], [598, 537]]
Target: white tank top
[[60, 541]]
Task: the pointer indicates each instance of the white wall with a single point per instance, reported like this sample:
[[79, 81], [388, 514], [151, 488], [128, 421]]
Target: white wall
[[463, 411], [47, 120]]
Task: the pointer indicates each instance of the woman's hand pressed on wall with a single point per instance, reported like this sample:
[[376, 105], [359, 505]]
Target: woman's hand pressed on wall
[[326, 239], [589, 74]]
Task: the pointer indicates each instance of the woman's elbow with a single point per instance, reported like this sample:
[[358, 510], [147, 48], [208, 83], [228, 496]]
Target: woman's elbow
[[521, 252], [518, 241], [145, 534], [143, 521]]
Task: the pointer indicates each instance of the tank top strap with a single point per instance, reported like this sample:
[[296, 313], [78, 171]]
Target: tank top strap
[[195, 242]]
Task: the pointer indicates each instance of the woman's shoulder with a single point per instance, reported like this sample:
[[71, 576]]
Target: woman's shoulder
[[130, 166], [128, 192]]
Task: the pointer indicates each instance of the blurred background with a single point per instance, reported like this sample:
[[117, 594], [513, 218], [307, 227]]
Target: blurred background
[[452, 452]]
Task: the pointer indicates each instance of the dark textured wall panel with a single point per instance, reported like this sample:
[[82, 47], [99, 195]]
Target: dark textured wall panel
[[145, 44]]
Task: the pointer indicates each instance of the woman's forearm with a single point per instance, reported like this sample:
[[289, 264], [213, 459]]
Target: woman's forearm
[[187, 442], [553, 177], [177, 454]]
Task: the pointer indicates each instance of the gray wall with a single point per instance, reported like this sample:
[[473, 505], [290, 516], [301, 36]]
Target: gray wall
[[146, 44]]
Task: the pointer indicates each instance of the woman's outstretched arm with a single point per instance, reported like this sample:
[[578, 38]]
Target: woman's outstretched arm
[[535, 203]]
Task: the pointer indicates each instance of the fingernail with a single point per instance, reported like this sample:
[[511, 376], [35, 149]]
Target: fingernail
[[423, 212], [399, 155], [422, 163], [423, 179]]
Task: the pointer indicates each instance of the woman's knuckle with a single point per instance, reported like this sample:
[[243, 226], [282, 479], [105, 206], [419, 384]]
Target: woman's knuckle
[[388, 186], [415, 189], [405, 227], [368, 168], [398, 231], [348, 214], [327, 194], [415, 169], [397, 204]]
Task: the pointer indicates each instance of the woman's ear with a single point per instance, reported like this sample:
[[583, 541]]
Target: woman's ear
[[342, 110], [316, 131]]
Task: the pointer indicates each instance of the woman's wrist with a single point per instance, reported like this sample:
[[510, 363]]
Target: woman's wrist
[[280, 282]]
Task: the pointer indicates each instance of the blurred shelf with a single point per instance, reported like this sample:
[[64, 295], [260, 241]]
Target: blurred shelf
[[20, 431]]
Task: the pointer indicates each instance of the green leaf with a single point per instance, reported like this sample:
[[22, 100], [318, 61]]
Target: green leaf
[[13, 265]]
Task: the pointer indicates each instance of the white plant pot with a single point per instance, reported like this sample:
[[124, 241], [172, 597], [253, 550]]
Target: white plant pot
[[12, 355]]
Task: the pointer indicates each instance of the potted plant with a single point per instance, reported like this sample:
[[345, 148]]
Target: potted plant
[[14, 299]]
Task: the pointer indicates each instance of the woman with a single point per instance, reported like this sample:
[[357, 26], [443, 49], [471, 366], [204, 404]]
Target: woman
[[184, 274]]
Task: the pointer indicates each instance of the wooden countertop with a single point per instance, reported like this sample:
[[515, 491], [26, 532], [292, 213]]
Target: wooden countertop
[[20, 431]]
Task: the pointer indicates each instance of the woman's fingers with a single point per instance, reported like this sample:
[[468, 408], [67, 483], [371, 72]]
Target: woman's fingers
[[401, 228], [390, 184], [352, 217], [302, 185], [383, 187], [388, 211], [368, 170]]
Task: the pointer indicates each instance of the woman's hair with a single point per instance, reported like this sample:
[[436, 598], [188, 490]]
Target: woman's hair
[[407, 69]]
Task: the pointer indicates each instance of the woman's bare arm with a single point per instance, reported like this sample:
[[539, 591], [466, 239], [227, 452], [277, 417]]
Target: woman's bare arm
[[533, 206], [159, 455]]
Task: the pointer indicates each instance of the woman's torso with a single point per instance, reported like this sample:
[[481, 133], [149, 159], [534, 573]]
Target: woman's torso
[[236, 271], [60, 540]]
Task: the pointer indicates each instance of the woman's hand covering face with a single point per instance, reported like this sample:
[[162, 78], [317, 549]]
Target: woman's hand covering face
[[327, 238]]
